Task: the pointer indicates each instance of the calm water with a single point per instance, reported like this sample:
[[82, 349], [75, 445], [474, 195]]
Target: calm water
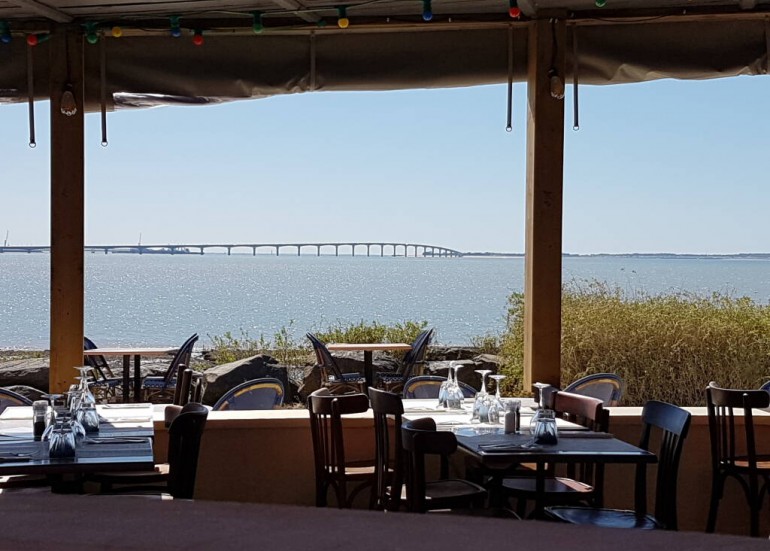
[[161, 299]]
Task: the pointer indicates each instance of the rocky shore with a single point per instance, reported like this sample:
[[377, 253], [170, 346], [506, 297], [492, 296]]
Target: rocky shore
[[27, 371]]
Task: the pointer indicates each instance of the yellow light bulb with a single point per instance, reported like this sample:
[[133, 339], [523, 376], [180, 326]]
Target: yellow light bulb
[[117, 32], [343, 22]]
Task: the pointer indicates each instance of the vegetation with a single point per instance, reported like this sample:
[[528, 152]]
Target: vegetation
[[291, 350], [666, 347]]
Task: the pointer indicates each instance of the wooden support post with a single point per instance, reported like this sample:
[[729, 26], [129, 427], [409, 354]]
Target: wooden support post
[[67, 209], [543, 249]]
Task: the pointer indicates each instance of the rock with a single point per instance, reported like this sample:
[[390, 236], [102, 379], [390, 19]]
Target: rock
[[441, 353], [30, 372], [223, 377]]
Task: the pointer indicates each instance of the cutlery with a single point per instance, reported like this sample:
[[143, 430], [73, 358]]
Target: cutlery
[[114, 440]]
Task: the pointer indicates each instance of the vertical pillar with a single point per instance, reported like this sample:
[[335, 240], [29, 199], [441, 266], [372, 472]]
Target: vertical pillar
[[545, 162], [67, 209]]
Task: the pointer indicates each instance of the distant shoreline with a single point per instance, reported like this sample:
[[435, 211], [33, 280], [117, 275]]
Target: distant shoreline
[[661, 256]]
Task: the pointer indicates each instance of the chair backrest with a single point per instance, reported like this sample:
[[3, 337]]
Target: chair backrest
[[325, 359], [416, 355], [418, 439], [388, 451], [674, 423], [182, 357], [427, 386], [765, 387], [183, 386], [326, 412], [265, 393], [184, 441], [98, 363], [10, 398], [608, 387]]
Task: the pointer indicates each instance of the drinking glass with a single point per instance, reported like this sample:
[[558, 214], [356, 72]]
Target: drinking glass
[[84, 378], [62, 440], [455, 394], [497, 407], [545, 432], [481, 404], [39, 418], [444, 388], [88, 418], [58, 405]]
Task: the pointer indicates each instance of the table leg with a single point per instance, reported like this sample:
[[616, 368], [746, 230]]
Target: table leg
[[368, 368], [126, 378], [137, 378], [540, 490]]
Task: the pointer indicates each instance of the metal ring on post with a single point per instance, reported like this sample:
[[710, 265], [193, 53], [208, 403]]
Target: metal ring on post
[[31, 95]]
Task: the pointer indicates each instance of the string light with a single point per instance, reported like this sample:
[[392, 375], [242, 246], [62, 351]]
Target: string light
[[257, 26], [5, 32], [198, 38], [91, 36], [600, 3], [35, 39], [68, 105], [557, 84], [117, 32], [513, 9], [176, 30], [427, 11], [342, 17]]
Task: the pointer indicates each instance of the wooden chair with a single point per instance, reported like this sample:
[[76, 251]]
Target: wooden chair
[[265, 393], [158, 388], [106, 385], [427, 387], [608, 387], [177, 477], [673, 423], [418, 439], [584, 483], [331, 375], [748, 468], [331, 467], [394, 382], [389, 453]]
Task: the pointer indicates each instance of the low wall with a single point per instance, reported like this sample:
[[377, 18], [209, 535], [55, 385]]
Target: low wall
[[267, 457]]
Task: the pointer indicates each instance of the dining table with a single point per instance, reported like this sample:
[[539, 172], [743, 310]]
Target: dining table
[[127, 354], [124, 442], [368, 349]]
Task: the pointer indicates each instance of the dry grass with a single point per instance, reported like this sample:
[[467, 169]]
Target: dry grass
[[666, 347]]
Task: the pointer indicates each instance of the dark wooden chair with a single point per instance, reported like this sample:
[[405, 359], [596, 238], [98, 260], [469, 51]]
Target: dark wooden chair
[[331, 375], [673, 423], [607, 387], [389, 454], [394, 382], [177, 477], [584, 483], [427, 386], [332, 469], [106, 385], [727, 460], [265, 393], [419, 438], [164, 387]]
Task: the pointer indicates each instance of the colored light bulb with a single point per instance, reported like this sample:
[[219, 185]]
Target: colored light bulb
[[257, 26], [513, 9], [32, 39], [5, 33], [92, 38], [427, 11], [342, 17], [600, 3], [198, 38], [176, 31], [117, 32]]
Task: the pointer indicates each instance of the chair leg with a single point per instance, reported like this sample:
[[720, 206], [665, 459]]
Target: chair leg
[[717, 487], [754, 505], [342, 494], [321, 489]]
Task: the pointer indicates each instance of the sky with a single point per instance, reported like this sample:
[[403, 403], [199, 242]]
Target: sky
[[665, 166]]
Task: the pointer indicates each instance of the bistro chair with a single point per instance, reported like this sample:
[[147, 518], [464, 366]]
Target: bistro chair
[[105, 385], [332, 469], [608, 387], [747, 467], [177, 477], [428, 386], [389, 460], [584, 483], [419, 439], [331, 375], [673, 422], [265, 393], [394, 382], [160, 387], [10, 398]]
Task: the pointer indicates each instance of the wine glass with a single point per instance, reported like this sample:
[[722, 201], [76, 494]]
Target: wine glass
[[497, 407], [540, 409], [481, 405], [443, 390], [455, 394], [87, 396], [540, 387]]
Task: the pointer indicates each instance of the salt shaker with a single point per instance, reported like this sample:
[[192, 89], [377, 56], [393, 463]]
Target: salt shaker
[[512, 419]]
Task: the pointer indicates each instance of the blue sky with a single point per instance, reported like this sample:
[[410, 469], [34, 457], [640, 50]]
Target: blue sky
[[667, 166]]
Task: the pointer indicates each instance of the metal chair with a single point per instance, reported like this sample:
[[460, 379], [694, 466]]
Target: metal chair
[[265, 393], [331, 375], [389, 460], [394, 382], [748, 468], [584, 483], [155, 388], [607, 387], [673, 422], [427, 386], [105, 383], [331, 468], [419, 438], [9, 398]]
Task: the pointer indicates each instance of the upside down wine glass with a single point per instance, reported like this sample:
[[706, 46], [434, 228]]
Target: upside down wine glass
[[455, 394], [480, 405], [497, 407], [540, 409]]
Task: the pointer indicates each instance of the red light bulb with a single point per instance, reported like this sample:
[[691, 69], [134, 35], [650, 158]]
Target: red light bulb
[[32, 39], [198, 39], [514, 12]]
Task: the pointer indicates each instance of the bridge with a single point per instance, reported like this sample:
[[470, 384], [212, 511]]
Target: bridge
[[362, 248]]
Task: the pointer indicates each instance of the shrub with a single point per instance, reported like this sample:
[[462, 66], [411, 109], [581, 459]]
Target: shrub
[[666, 347]]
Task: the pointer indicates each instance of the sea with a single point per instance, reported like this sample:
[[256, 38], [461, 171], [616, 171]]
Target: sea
[[159, 300]]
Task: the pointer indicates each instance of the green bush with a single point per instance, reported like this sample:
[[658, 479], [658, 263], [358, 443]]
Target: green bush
[[362, 332], [666, 347]]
